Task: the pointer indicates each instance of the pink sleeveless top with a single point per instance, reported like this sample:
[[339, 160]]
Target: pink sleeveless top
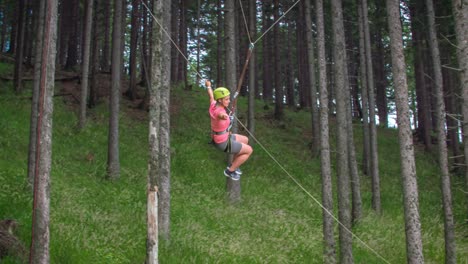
[[218, 125]]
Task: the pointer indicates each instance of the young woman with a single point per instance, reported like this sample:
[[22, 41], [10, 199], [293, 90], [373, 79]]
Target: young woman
[[221, 135]]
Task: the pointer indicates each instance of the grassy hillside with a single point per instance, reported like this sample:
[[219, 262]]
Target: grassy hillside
[[98, 221]]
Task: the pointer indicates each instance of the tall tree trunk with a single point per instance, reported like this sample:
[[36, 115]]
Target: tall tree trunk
[[164, 179], [279, 94], [40, 237], [423, 105], [85, 63], [267, 54], [374, 161], [72, 45], [233, 187], [312, 80], [366, 158], [460, 11], [18, 73], [106, 50], [134, 35], [252, 68], [113, 163], [408, 166], [380, 62], [219, 42], [154, 164], [450, 254], [329, 250], [343, 183], [32, 151]]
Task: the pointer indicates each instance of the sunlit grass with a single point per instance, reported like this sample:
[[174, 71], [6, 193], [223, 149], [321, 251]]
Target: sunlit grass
[[94, 220]]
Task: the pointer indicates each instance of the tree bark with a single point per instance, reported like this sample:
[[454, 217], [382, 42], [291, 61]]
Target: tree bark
[[312, 80], [374, 161], [366, 158], [279, 94], [450, 254], [408, 166], [329, 250], [164, 179], [154, 164], [460, 11], [252, 69], [18, 73], [343, 183], [40, 237], [233, 187], [113, 163], [85, 63]]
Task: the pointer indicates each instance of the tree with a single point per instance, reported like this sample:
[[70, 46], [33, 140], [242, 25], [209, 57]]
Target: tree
[[313, 86], [113, 163], [134, 34], [408, 166], [85, 63], [343, 183], [41, 204], [252, 68], [329, 251], [154, 137], [233, 187], [164, 179], [279, 94], [374, 161], [18, 74], [450, 255], [460, 11]]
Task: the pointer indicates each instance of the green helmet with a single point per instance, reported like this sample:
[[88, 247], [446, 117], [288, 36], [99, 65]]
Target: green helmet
[[221, 92]]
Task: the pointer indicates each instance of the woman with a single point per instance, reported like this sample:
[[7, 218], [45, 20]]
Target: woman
[[220, 131]]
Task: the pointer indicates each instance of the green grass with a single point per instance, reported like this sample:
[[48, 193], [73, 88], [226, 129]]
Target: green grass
[[94, 220]]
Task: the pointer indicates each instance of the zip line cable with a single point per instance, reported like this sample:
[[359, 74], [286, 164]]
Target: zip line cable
[[276, 22], [256, 140], [310, 195], [170, 38], [245, 22]]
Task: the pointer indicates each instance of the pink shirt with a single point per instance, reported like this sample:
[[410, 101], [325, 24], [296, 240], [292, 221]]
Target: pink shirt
[[217, 124]]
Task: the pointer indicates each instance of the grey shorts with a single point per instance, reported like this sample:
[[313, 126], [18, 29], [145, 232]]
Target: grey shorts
[[230, 146]]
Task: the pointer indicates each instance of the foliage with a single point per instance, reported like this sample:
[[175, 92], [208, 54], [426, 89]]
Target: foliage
[[98, 221]]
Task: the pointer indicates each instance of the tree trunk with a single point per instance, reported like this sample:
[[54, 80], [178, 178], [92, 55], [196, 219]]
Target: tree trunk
[[113, 163], [18, 73], [279, 94], [252, 69], [374, 161], [450, 254], [366, 158], [329, 250], [164, 179], [40, 237], [233, 187], [408, 166], [72, 45], [313, 87], [154, 164], [460, 11], [106, 50], [32, 151], [134, 34], [85, 63], [267, 54], [343, 183]]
